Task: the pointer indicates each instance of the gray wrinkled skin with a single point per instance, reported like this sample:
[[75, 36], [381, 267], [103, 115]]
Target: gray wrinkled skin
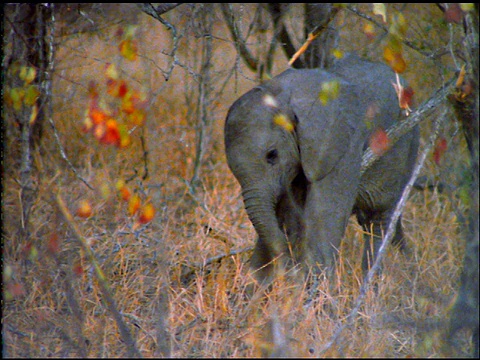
[[300, 187]]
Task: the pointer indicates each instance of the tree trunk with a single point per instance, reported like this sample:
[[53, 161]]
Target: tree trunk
[[466, 104]]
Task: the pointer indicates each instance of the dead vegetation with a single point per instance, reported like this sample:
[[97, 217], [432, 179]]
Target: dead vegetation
[[179, 283]]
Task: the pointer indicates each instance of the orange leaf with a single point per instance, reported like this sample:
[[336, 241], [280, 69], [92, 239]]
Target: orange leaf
[[379, 142], [147, 214], [111, 136], [117, 88], [123, 189], [98, 116], [394, 59], [84, 209]]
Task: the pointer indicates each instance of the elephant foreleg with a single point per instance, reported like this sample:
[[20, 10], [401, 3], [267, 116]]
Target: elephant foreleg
[[326, 216]]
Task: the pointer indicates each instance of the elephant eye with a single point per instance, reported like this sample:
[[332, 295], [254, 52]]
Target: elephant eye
[[272, 156]]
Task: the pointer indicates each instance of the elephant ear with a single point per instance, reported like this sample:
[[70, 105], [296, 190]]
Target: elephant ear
[[326, 128]]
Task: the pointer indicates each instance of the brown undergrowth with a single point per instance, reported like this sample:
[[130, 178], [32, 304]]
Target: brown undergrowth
[[180, 282]]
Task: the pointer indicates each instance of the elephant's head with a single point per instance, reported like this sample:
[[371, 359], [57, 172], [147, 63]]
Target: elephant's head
[[279, 131]]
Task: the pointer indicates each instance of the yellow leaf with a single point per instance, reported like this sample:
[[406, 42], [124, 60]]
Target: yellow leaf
[[134, 204], [467, 7], [330, 91], [34, 114], [399, 25], [16, 96], [128, 49], [105, 191], [338, 54], [125, 139], [283, 121], [27, 74], [31, 95], [392, 53], [111, 71]]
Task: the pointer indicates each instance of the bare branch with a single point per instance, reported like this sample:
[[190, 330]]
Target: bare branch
[[162, 8], [410, 44], [157, 12], [276, 11], [403, 127], [238, 39]]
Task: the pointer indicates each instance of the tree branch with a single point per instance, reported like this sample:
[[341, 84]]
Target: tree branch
[[281, 34], [238, 39], [402, 127]]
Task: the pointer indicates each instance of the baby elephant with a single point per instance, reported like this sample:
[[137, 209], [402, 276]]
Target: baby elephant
[[295, 144]]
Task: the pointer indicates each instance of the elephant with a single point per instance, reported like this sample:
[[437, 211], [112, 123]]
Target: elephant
[[297, 157]]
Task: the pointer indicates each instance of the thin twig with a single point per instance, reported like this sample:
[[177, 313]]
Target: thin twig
[[391, 229], [64, 155], [385, 29]]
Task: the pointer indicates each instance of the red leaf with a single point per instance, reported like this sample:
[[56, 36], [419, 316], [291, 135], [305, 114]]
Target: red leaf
[[15, 290], [379, 141], [78, 269], [454, 13], [53, 244], [406, 98], [440, 149]]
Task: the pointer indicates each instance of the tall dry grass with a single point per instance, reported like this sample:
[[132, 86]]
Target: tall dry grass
[[195, 252]]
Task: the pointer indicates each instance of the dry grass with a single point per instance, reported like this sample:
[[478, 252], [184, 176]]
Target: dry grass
[[57, 309]]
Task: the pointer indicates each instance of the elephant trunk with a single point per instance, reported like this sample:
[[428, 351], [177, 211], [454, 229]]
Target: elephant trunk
[[272, 242]]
